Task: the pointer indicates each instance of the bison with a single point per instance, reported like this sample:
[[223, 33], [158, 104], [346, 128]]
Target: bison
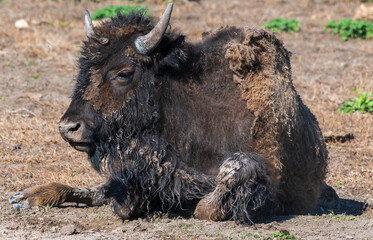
[[213, 129]]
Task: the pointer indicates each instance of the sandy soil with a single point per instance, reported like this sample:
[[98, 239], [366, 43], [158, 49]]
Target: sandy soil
[[38, 65]]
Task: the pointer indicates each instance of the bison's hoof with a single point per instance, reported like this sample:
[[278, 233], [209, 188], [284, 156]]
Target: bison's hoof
[[19, 201], [208, 210]]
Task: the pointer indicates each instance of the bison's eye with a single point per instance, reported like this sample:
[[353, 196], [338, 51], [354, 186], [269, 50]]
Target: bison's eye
[[123, 78]]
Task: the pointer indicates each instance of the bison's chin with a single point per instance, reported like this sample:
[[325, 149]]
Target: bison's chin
[[82, 146]]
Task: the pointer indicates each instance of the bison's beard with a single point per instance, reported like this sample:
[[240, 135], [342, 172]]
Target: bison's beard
[[137, 120]]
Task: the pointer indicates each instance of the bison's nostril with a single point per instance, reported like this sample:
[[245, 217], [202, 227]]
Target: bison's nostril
[[74, 128], [69, 129]]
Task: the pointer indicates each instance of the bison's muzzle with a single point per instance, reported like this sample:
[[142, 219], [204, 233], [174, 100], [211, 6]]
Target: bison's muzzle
[[76, 133]]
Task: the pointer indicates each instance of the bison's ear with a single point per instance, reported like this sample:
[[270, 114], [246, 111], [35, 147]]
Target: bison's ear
[[173, 55]]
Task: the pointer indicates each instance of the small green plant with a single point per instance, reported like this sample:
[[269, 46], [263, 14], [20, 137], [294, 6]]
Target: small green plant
[[348, 28], [62, 23], [279, 235], [339, 184], [342, 217], [362, 103], [111, 11], [49, 206], [185, 225], [3, 99], [36, 76], [224, 236], [11, 65], [282, 24]]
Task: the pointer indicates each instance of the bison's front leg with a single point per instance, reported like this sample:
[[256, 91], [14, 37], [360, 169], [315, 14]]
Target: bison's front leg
[[54, 194], [244, 191]]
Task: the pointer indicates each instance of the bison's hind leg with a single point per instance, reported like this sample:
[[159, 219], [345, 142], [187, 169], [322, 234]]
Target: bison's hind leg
[[244, 192]]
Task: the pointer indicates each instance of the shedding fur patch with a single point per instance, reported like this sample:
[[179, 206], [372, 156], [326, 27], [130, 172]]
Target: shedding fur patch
[[251, 62], [130, 52], [103, 98], [284, 130]]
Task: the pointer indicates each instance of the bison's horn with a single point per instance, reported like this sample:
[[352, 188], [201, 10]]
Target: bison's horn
[[88, 24], [146, 44]]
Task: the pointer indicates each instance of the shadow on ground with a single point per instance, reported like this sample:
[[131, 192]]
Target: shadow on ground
[[340, 206]]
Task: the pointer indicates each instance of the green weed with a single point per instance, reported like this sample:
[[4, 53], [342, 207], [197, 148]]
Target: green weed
[[62, 23], [185, 225], [49, 206], [11, 65], [339, 184], [348, 28], [340, 217], [224, 236], [362, 103], [36, 76], [111, 11], [279, 235], [282, 24], [3, 99]]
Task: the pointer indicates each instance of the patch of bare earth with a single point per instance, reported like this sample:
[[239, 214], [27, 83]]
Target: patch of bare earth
[[38, 65]]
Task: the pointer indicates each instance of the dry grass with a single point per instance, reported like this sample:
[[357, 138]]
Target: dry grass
[[33, 152]]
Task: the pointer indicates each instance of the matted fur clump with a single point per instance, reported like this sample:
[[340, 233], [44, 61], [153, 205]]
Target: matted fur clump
[[214, 129]]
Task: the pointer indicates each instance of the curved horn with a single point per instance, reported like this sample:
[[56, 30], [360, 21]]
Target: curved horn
[[88, 24], [146, 44]]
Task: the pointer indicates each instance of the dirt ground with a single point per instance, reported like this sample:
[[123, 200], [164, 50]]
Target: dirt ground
[[38, 65]]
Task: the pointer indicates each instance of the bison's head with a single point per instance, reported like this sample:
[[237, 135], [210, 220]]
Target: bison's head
[[116, 91]]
